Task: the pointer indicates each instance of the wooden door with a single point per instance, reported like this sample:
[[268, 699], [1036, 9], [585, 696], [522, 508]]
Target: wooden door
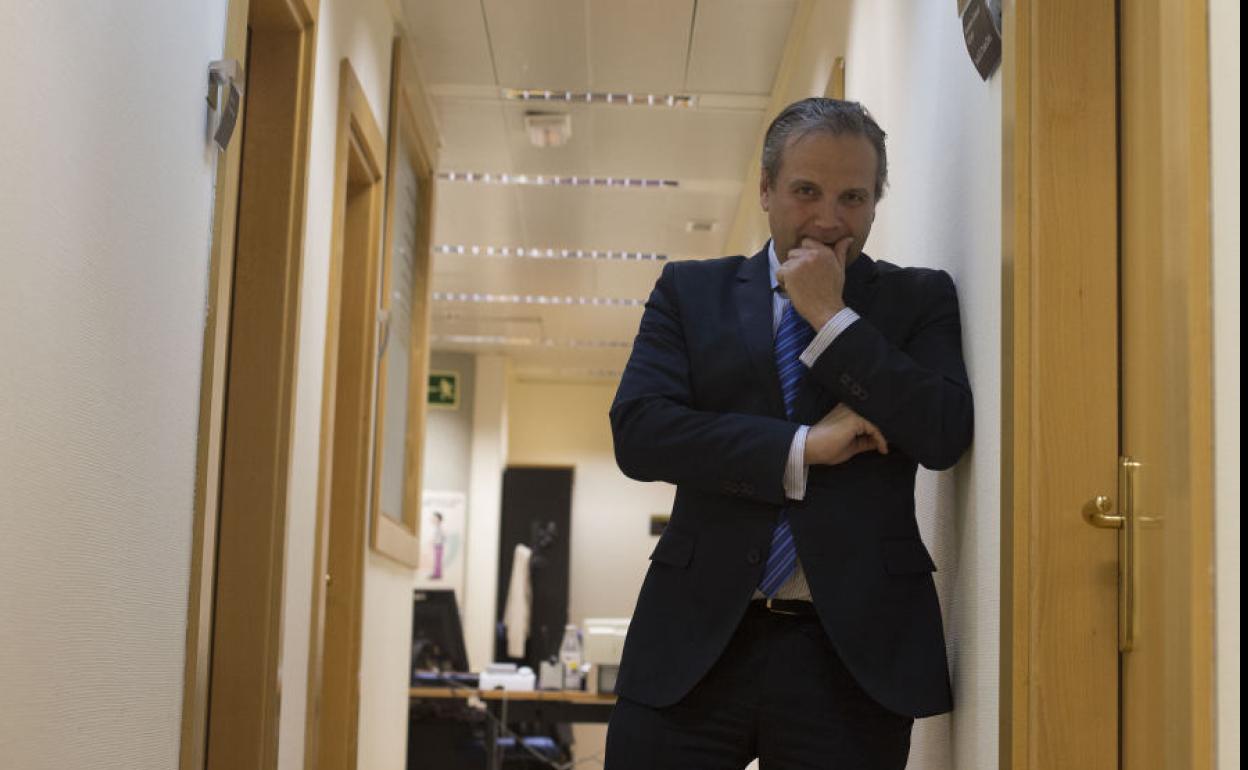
[[1059, 652], [234, 634], [1107, 366], [1166, 388]]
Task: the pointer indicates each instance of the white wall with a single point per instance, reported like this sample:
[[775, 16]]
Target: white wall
[[908, 64], [361, 30], [567, 424], [1224, 82], [485, 501], [448, 432], [105, 212]]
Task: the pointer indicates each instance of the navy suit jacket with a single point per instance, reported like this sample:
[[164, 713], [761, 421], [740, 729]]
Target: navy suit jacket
[[700, 406]]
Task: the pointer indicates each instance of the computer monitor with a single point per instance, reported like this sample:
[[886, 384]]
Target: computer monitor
[[437, 636]]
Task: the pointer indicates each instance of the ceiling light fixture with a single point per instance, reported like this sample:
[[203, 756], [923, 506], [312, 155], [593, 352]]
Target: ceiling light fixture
[[548, 129], [534, 299], [481, 339], [571, 181], [495, 339], [677, 101], [535, 253], [547, 373]]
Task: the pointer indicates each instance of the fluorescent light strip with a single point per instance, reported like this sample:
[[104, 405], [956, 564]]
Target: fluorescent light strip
[[534, 299], [481, 339], [494, 339], [520, 251], [680, 101], [550, 373], [544, 180]]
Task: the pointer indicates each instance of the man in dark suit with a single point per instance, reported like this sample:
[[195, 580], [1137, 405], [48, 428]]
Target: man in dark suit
[[789, 611]]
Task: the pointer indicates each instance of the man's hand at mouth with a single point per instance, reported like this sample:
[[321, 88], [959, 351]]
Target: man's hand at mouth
[[813, 276]]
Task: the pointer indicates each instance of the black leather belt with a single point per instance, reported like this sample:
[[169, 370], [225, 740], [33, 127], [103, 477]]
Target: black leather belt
[[784, 606]]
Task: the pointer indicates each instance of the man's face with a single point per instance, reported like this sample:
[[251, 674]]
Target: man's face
[[825, 190]]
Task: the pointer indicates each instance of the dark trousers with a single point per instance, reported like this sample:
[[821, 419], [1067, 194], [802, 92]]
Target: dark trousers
[[779, 693]]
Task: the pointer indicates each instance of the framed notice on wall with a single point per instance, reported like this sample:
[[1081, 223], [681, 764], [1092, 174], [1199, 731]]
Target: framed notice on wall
[[442, 518], [404, 350]]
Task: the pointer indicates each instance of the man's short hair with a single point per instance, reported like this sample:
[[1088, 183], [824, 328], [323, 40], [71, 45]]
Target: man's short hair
[[829, 116]]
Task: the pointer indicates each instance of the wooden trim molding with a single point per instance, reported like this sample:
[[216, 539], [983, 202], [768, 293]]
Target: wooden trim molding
[[197, 669], [398, 536], [332, 721]]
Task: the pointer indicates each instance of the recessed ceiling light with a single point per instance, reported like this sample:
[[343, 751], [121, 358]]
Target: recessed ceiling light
[[700, 226], [548, 253], [544, 180], [679, 101]]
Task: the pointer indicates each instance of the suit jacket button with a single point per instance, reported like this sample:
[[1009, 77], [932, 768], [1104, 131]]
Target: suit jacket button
[[754, 556]]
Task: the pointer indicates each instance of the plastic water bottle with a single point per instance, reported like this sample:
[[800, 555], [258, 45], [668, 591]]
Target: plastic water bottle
[[570, 656]]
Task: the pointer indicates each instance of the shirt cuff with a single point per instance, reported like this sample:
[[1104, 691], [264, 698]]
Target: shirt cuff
[[830, 331], [795, 470]]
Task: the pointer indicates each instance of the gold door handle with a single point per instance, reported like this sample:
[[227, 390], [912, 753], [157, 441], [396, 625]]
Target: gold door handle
[[1097, 512]]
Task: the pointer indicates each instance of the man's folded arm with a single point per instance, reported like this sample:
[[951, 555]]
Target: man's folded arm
[[657, 439], [917, 394], [660, 436]]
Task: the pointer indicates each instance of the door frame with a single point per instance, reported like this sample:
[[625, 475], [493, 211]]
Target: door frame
[[348, 394], [233, 643], [1060, 439]]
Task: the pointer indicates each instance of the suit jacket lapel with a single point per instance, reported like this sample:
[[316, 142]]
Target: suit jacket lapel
[[813, 402], [754, 311], [860, 284]]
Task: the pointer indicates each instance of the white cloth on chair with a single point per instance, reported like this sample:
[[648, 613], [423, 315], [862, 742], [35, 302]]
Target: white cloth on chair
[[519, 602]]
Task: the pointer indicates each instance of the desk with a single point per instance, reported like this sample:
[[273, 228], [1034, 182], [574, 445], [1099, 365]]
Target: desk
[[520, 705]]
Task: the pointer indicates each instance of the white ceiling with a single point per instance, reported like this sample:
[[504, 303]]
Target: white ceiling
[[470, 50]]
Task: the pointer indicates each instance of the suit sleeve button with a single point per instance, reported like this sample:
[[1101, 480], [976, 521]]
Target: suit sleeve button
[[754, 556]]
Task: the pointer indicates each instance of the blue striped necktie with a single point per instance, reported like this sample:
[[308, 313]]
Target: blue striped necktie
[[792, 338]]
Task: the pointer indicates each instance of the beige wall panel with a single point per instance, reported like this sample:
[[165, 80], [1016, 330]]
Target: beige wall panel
[[539, 43], [737, 45], [460, 51], [639, 45]]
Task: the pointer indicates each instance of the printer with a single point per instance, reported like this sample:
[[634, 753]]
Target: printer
[[604, 643]]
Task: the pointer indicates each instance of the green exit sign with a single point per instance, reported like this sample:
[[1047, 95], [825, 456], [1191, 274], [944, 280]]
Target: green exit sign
[[444, 389]]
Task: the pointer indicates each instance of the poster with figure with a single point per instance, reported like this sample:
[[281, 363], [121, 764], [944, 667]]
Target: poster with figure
[[442, 517]]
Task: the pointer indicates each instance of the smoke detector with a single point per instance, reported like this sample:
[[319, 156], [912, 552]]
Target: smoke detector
[[548, 129]]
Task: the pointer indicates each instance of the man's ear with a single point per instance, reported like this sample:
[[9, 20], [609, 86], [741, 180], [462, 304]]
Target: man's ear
[[764, 190]]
